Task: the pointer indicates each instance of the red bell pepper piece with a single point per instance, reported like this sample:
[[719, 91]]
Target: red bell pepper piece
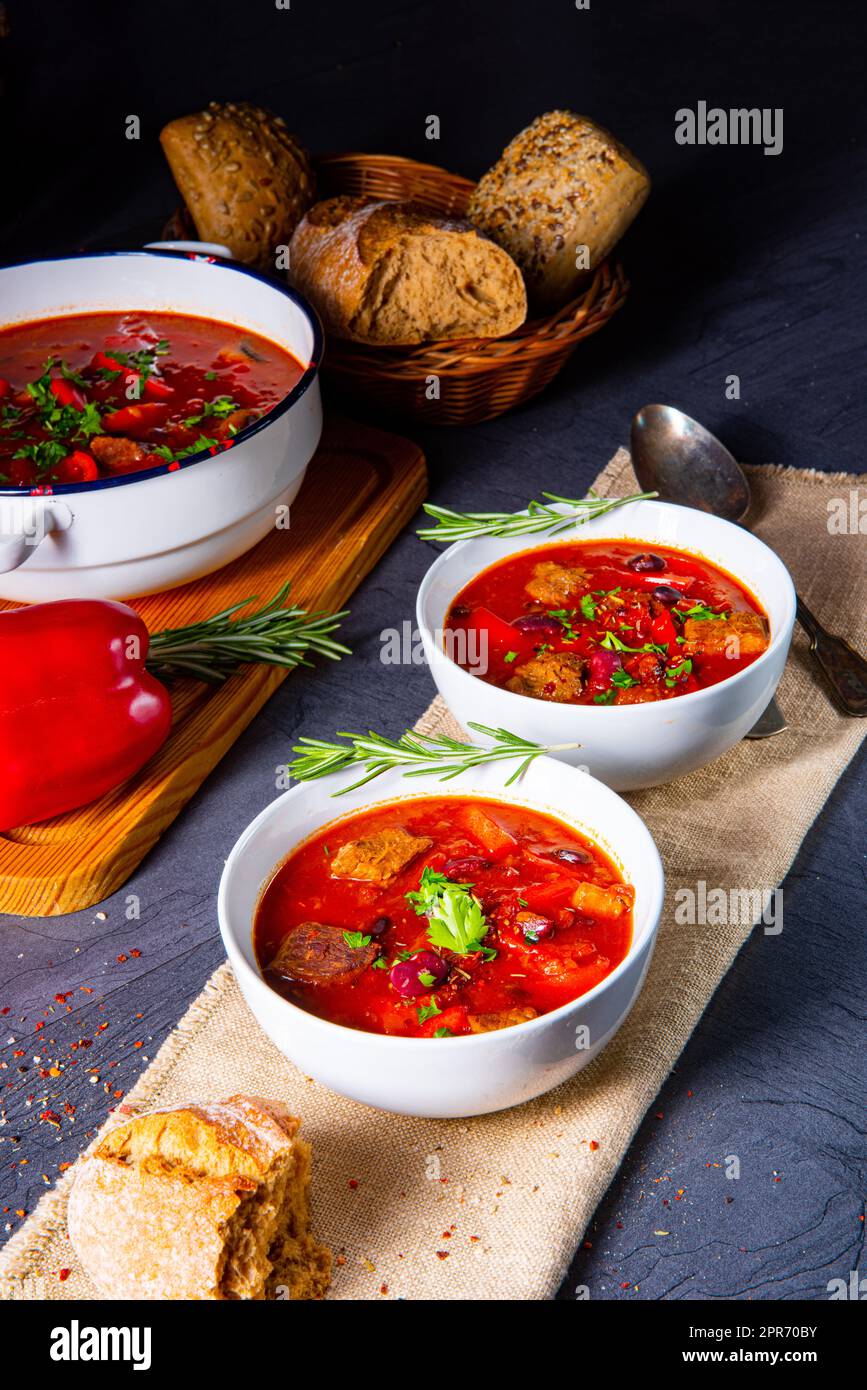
[[21, 472], [497, 637], [78, 711], [65, 393], [135, 420], [101, 361], [77, 467], [157, 390], [4, 387], [662, 630], [683, 582]]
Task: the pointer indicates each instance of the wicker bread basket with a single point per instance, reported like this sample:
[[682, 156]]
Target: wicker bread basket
[[477, 378], [454, 383]]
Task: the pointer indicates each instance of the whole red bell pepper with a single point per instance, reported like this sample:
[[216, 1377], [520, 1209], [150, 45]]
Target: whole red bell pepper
[[78, 711]]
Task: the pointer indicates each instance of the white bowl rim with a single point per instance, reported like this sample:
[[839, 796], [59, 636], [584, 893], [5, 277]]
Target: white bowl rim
[[633, 711], [239, 961], [302, 384]]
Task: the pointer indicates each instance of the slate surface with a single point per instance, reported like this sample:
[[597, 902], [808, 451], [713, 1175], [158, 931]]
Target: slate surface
[[741, 263]]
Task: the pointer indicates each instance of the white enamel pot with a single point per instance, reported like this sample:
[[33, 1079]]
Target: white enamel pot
[[141, 532], [626, 746]]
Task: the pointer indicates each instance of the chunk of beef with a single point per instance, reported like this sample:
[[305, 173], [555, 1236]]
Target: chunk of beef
[[118, 455], [380, 857], [555, 676], [553, 584], [741, 634], [503, 1018], [597, 901], [316, 953]]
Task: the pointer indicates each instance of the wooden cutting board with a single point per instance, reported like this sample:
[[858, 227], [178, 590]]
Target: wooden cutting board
[[361, 489]]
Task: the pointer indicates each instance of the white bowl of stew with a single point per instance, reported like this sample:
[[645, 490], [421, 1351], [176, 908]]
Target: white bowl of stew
[[556, 888], [157, 414], [648, 640]]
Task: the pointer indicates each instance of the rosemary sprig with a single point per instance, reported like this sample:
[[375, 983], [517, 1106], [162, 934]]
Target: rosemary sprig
[[274, 635], [417, 754], [463, 526]]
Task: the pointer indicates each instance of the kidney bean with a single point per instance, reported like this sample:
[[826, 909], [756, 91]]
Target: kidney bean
[[645, 563], [469, 864], [537, 622], [379, 926], [571, 856], [603, 664], [534, 927], [404, 974], [666, 594]]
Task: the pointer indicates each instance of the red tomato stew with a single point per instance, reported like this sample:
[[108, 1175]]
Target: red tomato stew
[[97, 395], [605, 623], [442, 916]]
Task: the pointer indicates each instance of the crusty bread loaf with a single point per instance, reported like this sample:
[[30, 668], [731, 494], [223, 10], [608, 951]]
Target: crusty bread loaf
[[562, 184], [393, 272], [245, 179], [203, 1202]]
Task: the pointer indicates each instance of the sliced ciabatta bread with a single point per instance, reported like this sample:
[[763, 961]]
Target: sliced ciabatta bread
[[201, 1202], [395, 273]]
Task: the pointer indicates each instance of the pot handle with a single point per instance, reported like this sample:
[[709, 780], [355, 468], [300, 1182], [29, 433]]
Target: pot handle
[[26, 527], [203, 248]]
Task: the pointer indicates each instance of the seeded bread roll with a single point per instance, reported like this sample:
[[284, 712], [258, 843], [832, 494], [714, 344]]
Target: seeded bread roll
[[246, 181], [562, 184], [394, 273], [204, 1202]]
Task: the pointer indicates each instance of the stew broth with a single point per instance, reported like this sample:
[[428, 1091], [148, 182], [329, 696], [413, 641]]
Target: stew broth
[[604, 622], [98, 395], [542, 915]]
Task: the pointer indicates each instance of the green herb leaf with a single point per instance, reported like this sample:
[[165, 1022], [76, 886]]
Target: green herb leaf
[[588, 607], [356, 939], [272, 635], [443, 1033], [538, 516], [418, 755], [426, 1011]]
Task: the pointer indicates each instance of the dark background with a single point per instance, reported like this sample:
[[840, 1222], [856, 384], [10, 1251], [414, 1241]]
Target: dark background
[[740, 263]]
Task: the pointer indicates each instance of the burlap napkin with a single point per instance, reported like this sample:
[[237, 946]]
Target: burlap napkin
[[495, 1207]]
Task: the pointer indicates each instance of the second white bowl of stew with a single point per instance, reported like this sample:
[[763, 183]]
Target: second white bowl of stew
[[648, 640], [443, 950], [156, 412]]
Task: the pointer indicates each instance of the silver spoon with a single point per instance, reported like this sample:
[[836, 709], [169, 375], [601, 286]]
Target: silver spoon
[[684, 462]]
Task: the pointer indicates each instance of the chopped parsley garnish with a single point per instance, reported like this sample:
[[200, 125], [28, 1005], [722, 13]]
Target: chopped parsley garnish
[[426, 1011], [622, 679], [700, 611], [588, 608], [563, 616], [380, 963], [606, 698], [203, 441], [455, 918], [612, 643], [674, 673], [46, 455], [427, 979], [356, 939], [142, 361], [220, 407], [443, 1033], [510, 656]]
